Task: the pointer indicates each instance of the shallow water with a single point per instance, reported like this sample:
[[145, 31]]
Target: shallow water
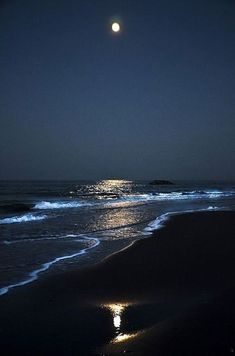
[[47, 227]]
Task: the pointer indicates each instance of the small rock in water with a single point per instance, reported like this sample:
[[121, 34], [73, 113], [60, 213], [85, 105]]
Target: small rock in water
[[161, 182]]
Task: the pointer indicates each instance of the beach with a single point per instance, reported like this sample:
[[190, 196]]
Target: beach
[[117, 187], [171, 293]]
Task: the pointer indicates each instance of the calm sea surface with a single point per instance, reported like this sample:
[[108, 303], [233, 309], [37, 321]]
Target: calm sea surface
[[53, 226]]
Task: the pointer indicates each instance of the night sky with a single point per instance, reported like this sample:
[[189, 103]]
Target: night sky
[[156, 100]]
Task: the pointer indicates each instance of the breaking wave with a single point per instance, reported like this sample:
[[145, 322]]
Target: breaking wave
[[22, 218], [158, 223], [46, 205], [132, 198], [185, 195]]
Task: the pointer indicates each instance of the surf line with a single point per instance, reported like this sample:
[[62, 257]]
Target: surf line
[[34, 275], [160, 221]]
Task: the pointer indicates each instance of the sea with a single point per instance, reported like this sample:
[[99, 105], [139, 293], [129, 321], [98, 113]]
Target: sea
[[49, 227]]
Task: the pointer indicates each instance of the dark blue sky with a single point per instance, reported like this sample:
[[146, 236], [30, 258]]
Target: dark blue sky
[[155, 101]]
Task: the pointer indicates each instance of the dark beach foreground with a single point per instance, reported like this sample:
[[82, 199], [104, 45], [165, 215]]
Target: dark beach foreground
[[170, 294]]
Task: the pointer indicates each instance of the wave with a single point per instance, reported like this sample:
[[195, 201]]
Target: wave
[[180, 195], [32, 276], [46, 205], [132, 198], [23, 218], [209, 193], [156, 224], [160, 221]]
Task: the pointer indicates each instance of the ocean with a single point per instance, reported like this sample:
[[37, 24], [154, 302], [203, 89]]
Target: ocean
[[55, 226]]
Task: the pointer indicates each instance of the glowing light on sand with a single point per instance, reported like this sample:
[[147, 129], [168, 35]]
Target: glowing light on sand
[[115, 27], [124, 337], [117, 310]]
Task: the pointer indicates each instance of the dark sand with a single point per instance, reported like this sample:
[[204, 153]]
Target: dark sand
[[177, 291]]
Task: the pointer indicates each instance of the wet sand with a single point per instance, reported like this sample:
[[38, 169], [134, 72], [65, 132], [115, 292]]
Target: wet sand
[[170, 294]]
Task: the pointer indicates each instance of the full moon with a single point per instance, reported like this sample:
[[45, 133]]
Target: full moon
[[115, 27]]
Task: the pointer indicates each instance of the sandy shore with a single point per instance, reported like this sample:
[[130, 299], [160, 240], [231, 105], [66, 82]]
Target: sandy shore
[[171, 294]]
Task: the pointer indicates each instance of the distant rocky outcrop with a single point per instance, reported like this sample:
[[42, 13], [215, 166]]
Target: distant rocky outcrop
[[161, 182]]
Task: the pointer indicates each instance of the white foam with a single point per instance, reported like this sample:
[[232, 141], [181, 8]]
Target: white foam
[[159, 222], [60, 205], [45, 266], [23, 218], [145, 197], [213, 208], [187, 195]]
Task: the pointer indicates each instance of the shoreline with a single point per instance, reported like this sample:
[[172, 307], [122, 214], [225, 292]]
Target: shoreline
[[164, 287], [150, 229]]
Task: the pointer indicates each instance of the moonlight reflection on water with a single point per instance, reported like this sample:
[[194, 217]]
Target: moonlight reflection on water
[[117, 312]]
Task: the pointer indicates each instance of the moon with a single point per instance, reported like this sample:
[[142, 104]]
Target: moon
[[115, 27]]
